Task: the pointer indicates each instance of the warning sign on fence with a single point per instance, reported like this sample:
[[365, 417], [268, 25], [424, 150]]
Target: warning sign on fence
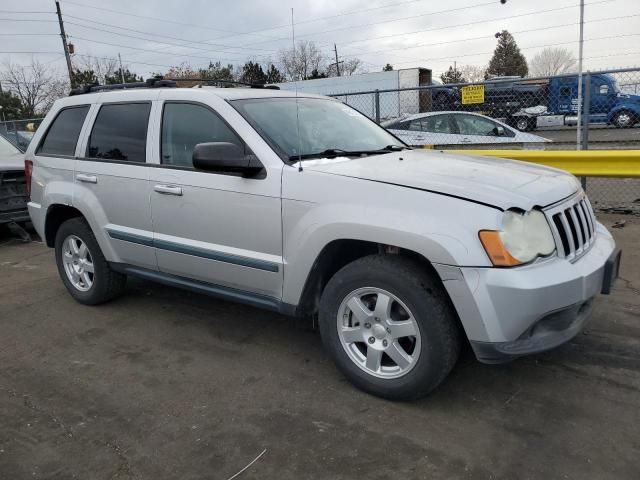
[[472, 94]]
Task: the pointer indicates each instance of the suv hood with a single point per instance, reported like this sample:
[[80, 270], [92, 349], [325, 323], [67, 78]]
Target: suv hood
[[492, 181]]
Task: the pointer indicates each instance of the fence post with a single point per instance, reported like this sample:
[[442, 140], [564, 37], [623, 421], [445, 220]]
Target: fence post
[[377, 102], [586, 112]]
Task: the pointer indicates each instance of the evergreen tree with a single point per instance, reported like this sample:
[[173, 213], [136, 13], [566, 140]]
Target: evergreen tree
[[11, 106], [387, 68], [452, 76], [316, 74], [129, 77], [253, 73], [82, 77], [274, 75], [507, 59]]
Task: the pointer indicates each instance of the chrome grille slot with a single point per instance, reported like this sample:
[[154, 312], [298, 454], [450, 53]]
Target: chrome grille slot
[[573, 226]]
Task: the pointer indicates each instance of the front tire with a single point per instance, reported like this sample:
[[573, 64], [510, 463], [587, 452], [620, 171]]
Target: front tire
[[389, 327], [82, 267]]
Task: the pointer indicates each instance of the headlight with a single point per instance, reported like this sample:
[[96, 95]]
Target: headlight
[[524, 236]]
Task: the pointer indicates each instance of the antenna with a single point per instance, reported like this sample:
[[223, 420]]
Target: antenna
[[293, 42]]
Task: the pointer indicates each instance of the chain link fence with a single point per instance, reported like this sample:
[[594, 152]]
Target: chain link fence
[[516, 113]]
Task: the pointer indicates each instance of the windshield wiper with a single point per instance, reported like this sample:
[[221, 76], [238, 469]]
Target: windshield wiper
[[338, 152]]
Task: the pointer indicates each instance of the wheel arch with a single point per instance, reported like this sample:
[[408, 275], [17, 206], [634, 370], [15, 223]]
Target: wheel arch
[[337, 254], [57, 214]]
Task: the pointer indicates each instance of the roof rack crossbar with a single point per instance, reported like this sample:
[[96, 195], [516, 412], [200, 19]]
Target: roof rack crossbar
[[149, 83], [214, 81]]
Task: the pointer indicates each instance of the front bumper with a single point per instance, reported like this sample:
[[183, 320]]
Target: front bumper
[[508, 313]]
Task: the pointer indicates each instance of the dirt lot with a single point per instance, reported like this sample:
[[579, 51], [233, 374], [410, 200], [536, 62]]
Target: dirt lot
[[164, 384]]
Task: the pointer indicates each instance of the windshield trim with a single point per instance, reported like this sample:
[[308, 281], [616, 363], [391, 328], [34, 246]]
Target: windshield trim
[[286, 159]]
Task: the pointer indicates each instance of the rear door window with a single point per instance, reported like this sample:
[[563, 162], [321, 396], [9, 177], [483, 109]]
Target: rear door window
[[120, 132], [62, 136]]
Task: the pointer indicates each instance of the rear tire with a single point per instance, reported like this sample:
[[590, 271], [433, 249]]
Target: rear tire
[[82, 267], [421, 325]]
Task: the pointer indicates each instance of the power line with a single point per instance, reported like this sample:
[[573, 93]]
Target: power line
[[23, 11], [26, 20], [418, 45], [152, 34], [448, 57], [29, 34], [412, 17], [353, 12], [476, 22], [151, 18], [153, 51]]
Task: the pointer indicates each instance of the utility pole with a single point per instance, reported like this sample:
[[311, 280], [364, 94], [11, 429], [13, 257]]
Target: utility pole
[[455, 72], [64, 43], [335, 49], [121, 72]]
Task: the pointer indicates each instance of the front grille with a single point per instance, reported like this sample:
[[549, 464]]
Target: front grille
[[573, 225]]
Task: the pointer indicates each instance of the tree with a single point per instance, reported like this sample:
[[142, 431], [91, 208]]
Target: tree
[[387, 68], [274, 75], [35, 85], [82, 77], [452, 76], [298, 63], [216, 71], [116, 77], [473, 73], [11, 106], [347, 68], [253, 73], [507, 59], [316, 74], [101, 68], [551, 61]]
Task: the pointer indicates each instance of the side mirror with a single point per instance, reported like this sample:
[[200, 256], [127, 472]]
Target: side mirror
[[604, 89], [499, 131], [225, 157]]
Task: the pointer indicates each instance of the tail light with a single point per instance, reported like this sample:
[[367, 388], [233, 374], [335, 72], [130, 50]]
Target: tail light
[[28, 171]]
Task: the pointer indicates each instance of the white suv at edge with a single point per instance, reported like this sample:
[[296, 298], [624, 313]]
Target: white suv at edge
[[300, 204]]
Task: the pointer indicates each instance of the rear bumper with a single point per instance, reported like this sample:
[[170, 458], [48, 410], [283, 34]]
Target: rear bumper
[[508, 313]]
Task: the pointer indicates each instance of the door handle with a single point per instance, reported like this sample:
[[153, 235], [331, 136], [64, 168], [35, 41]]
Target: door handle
[[168, 190], [81, 177]]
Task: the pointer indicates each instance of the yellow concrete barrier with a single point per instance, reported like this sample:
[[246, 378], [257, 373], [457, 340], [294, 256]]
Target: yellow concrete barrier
[[582, 163]]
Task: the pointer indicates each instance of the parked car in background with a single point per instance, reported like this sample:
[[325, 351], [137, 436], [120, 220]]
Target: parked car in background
[[13, 188], [456, 128]]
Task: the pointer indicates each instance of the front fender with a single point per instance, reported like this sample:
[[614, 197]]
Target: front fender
[[442, 229]]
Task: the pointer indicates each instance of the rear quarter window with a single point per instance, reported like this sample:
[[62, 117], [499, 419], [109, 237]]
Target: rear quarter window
[[62, 136]]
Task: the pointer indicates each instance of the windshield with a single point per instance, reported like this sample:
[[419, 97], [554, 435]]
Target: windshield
[[325, 126], [6, 147]]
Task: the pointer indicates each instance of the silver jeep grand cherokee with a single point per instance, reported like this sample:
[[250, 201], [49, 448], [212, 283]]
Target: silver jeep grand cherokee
[[300, 204]]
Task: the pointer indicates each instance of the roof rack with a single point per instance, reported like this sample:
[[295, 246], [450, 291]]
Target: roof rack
[[158, 82], [215, 82]]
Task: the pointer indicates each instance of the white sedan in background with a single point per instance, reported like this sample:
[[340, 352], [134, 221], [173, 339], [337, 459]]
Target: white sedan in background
[[456, 128]]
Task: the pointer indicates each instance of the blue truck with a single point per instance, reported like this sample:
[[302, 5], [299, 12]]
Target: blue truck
[[529, 104]]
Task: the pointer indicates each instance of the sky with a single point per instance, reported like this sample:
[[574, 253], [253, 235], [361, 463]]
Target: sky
[[153, 35]]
